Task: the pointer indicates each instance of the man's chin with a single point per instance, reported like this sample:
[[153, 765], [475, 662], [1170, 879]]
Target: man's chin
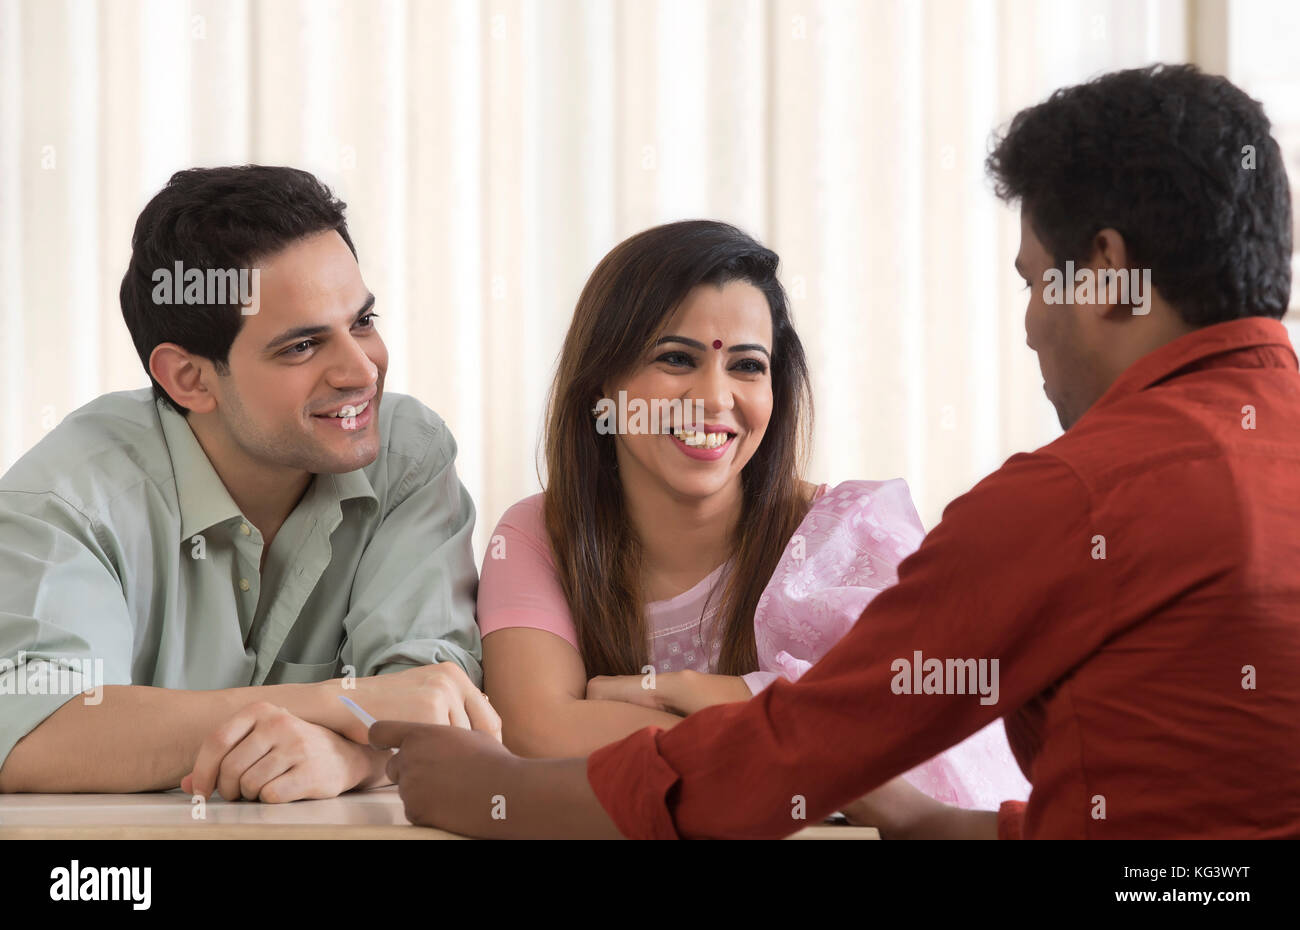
[[340, 461], [339, 449], [1061, 416], [1064, 416], [363, 456]]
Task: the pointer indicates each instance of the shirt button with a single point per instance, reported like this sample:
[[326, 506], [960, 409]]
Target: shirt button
[[243, 528], [243, 584]]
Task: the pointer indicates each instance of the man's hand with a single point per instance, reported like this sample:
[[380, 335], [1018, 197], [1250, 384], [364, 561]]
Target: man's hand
[[436, 694], [681, 693], [265, 753], [900, 812], [449, 778]]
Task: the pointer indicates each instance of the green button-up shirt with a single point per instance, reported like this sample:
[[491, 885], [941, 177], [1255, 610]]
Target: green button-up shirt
[[124, 560]]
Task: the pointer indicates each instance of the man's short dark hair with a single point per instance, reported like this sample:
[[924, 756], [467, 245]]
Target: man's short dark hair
[[216, 218], [1181, 163]]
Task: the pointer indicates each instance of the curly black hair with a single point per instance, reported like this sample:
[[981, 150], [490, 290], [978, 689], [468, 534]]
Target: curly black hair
[[1180, 163], [216, 218]]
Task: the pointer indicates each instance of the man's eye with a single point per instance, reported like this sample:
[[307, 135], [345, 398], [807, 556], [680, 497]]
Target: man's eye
[[293, 349], [368, 320]]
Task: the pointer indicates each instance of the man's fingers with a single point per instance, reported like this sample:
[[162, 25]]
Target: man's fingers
[[254, 780], [239, 760], [481, 714], [289, 785], [457, 717], [389, 734], [219, 742]]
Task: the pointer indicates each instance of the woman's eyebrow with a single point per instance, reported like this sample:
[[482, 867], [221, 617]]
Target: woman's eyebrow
[[684, 341], [694, 344]]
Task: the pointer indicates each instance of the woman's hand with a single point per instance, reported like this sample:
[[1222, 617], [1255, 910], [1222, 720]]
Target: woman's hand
[[675, 692], [646, 690]]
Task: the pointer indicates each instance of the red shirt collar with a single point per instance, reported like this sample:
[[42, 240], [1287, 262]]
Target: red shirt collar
[[1208, 347]]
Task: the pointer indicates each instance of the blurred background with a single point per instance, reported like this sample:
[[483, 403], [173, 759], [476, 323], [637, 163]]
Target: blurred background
[[491, 151]]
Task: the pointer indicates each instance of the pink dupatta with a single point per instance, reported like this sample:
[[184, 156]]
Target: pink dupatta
[[845, 552]]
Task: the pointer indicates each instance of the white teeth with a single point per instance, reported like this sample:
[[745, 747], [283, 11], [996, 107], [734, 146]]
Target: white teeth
[[701, 440], [350, 411]]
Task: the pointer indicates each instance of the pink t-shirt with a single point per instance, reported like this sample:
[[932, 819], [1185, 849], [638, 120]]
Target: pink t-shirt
[[844, 552], [519, 587]]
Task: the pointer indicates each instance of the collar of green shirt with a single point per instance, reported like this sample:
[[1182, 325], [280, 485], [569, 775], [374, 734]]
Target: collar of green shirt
[[204, 500]]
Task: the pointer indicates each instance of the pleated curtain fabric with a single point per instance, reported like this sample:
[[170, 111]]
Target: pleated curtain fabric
[[491, 152]]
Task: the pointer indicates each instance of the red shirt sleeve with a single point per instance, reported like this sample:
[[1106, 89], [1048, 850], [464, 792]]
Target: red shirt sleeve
[[1011, 820], [1007, 575]]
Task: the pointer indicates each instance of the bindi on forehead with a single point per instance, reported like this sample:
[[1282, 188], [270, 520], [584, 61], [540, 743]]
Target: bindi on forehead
[[717, 343]]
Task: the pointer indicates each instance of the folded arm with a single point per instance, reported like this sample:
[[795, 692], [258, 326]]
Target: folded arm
[[141, 738], [138, 738], [538, 684]]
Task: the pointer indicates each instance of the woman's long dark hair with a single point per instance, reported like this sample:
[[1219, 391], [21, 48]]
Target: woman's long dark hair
[[624, 307]]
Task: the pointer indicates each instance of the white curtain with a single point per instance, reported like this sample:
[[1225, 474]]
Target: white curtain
[[491, 152]]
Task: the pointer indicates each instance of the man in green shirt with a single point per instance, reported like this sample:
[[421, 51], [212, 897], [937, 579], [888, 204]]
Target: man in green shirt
[[192, 574]]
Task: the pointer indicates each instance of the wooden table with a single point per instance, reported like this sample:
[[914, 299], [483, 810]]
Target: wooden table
[[362, 815]]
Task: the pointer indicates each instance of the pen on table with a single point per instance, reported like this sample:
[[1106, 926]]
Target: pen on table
[[359, 712]]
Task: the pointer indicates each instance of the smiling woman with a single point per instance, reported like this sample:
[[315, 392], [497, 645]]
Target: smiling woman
[[641, 511], [679, 560]]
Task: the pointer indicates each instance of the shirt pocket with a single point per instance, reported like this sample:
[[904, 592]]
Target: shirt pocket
[[285, 673]]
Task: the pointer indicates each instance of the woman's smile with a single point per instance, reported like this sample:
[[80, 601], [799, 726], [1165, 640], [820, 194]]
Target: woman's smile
[[707, 444]]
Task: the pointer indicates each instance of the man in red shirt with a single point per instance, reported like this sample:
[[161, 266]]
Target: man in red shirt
[[1131, 590]]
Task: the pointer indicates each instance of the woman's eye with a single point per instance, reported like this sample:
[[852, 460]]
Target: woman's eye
[[675, 358], [751, 366]]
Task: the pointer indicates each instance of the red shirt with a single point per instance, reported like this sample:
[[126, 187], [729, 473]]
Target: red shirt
[[1154, 692]]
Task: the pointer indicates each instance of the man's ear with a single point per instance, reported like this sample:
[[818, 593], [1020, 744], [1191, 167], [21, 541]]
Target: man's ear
[[1109, 254], [1109, 250], [182, 376]]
